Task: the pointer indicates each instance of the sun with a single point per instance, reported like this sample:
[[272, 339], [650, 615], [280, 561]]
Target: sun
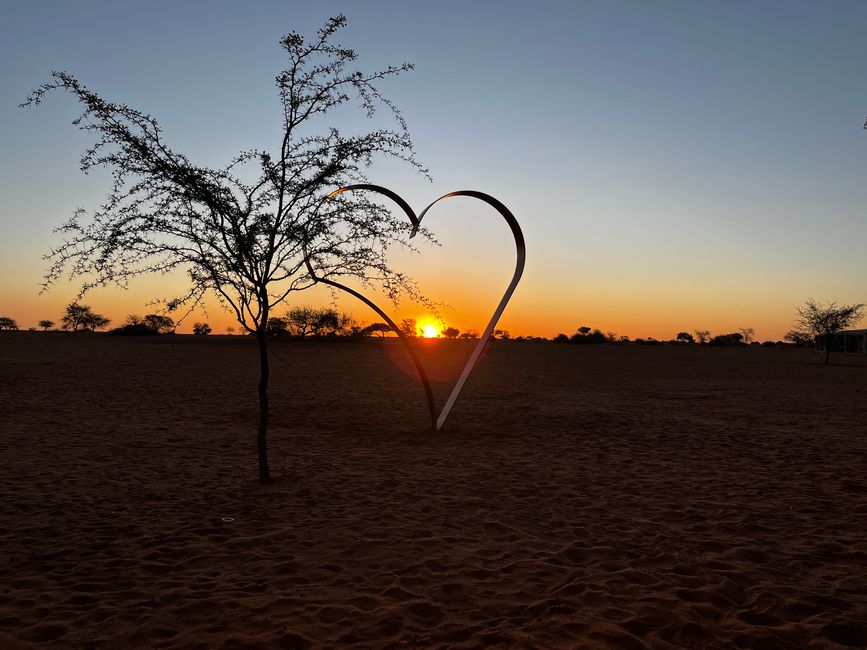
[[430, 331]]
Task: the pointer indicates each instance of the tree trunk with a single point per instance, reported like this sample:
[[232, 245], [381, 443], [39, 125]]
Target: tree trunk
[[262, 436], [828, 339]]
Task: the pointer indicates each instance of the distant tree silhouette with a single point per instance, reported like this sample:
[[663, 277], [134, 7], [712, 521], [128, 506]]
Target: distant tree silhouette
[[160, 323], [277, 327], [230, 330], [799, 338], [501, 334], [381, 329], [7, 323], [201, 329], [301, 319], [702, 336], [727, 339], [684, 337], [241, 231], [561, 338], [584, 335], [78, 317], [826, 321], [409, 327], [135, 325], [469, 335], [748, 334], [451, 333], [46, 325]]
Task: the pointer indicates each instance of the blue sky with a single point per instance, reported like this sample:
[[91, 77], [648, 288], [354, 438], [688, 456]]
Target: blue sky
[[674, 165]]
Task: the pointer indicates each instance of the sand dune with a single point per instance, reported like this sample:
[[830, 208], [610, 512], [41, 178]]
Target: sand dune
[[621, 497]]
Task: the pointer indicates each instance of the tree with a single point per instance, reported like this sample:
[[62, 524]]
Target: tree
[[276, 327], [702, 336], [300, 320], [230, 330], [7, 323], [381, 329], [409, 327], [584, 331], [160, 323], [451, 333], [748, 334], [201, 329], [245, 232], [561, 338], [826, 321], [470, 335], [81, 317], [46, 324], [684, 337], [798, 337]]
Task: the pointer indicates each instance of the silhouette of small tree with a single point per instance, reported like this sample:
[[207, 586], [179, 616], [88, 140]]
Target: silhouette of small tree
[[409, 327], [78, 317], [561, 338], [451, 333], [584, 331], [201, 329], [7, 323], [684, 337], [826, 321], [240, 232], [46, 325], [748, 334], [799, 338], [702, 336], [160, 323], [381, 329]]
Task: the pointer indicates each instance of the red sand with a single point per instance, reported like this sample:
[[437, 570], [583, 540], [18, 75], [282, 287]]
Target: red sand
[[580, 497]]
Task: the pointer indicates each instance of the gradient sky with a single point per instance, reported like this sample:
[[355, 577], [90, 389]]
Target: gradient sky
[[674, 165]]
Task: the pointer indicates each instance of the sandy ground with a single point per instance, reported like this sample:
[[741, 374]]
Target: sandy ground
[[580, 497]]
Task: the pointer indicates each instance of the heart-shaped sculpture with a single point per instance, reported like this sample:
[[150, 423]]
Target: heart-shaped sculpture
[[437, 420]]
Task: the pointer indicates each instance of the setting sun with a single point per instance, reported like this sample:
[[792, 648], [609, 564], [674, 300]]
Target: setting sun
[[430, 331]]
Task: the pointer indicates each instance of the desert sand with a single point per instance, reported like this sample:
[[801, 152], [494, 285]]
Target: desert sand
[[580, 496]]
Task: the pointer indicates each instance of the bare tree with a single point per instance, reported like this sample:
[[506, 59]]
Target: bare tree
[[240, 232], [748, 334], [409, 327], [798, 338], [825, 321], [702, 336]]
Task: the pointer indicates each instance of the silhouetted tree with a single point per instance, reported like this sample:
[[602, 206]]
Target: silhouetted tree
[[727, 339], [584, 330], [160, 323], [451, 333], [561, 338], [501, 334], [584, 336], [201, 329], [230, 330], [81, 317], [826, 321], [409, 327], [300, 320], [380, 329], [702, 336], [684, 337], [277, 327], [799, 338], [470, 335], [7, 323], [46, 325], [240, 231], [748, 334]]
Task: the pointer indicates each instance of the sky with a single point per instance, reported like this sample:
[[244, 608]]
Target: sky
[[674, 165]]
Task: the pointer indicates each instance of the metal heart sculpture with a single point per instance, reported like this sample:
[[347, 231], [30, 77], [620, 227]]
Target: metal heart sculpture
[[437, 420]]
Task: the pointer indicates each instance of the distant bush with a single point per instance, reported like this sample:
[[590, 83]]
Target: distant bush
[[561, 338], [134, 329], [46, 324], [201, 329], [583, 337], [769, 344], [733, 339]]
